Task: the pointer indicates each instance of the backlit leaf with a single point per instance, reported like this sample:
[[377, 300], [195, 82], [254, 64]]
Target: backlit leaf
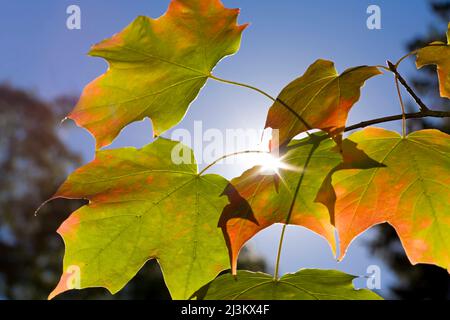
[[157, 67], [409, 190], [438, 53], [306, 284], [267, 198], [320, 99], [143, 206]]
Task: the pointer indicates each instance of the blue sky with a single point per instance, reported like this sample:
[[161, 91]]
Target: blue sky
[[39, 53]]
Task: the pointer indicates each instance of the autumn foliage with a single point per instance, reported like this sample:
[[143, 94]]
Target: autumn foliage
[[142, 206]]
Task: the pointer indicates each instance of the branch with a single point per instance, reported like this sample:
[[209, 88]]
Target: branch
[[417, 115], [416, 98]]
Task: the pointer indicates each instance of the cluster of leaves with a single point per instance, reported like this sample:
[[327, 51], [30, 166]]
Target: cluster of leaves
[[424, 281], [142, 206]]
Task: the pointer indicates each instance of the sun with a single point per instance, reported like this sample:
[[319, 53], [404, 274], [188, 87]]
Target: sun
[[270, 163]]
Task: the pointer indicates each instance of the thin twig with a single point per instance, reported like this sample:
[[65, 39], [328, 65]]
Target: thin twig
[[417, 115], [416, 98]]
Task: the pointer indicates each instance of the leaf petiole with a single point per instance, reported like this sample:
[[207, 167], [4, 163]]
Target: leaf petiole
[[228, 156], [276, 275], [402, 105], [266, 95]]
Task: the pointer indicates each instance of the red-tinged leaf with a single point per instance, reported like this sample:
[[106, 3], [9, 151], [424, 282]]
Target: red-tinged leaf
[[409, 189], [258, 199], [320, 99], [157, 67]]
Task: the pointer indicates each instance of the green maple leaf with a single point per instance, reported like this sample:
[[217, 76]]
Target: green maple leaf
[[143, 206], [409, 190], [306, 284], [438, 53], [320, 99], [157, 67]]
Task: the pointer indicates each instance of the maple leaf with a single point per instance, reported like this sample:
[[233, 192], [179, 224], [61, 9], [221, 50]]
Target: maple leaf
[[438, 53], [143, 206], [320, 99], [409, 190], [258, 200], [306, 284], [157, 68]]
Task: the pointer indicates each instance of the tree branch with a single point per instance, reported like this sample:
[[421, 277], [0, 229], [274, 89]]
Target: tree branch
[[416, 98], [417, 115]]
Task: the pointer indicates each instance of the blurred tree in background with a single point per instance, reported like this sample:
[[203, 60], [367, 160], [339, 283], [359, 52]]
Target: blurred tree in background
[[33, 163], [419, 282]]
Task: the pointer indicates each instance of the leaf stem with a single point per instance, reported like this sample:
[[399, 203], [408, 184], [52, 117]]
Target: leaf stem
[[402, 105], [276, 275], [405, 57], [383, 67], [231, 155], [243, 85], [266, 95]]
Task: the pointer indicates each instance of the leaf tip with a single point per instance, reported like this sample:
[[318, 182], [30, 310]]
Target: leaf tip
[[244, 26], [61, 287], [234, 266]]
